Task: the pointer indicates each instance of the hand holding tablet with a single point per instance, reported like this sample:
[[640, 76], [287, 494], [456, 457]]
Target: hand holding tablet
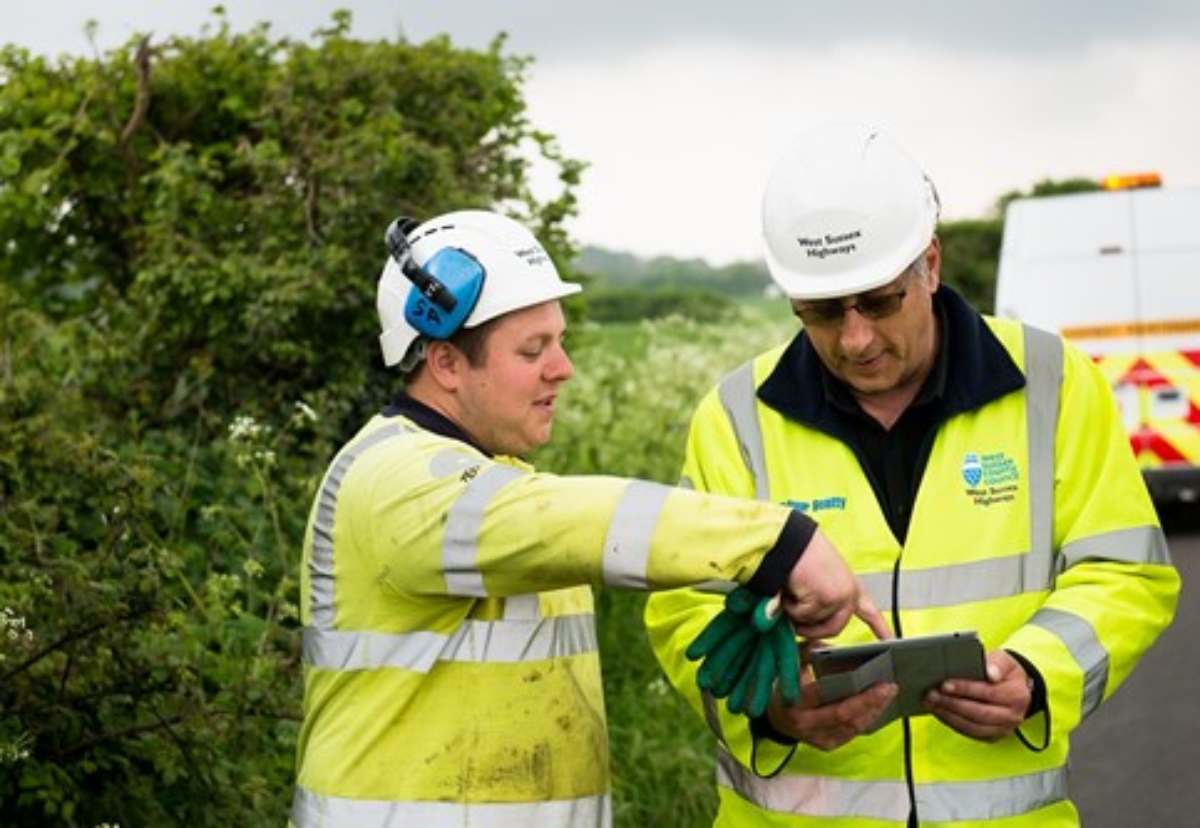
[[916, 664]]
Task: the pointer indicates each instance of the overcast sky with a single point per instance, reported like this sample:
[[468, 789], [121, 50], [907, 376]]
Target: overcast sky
[[680, 106]]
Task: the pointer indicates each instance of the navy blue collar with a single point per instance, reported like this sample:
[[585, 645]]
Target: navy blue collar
[[402, 405], [973, 368]]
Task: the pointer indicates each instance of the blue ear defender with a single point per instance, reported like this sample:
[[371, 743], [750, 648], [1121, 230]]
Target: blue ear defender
[[459, 280], [444, 291]]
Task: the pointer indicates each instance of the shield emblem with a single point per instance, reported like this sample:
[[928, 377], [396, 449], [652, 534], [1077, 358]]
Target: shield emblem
[[972, 470]]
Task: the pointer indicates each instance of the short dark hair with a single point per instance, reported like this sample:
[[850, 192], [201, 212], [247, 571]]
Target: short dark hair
[[471, 341]]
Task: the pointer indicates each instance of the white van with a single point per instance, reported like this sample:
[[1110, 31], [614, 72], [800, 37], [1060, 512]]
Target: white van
[[1118, 272]]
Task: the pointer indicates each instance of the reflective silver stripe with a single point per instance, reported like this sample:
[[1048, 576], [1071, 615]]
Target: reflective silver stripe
[[474, 641], [738, 397], [334, 650], [945, 586], [460, 545], [1137, 545], [879, 587], [1081, 639], [712, 715], [320, 561], [1043, 385], [627, 546], [1144, 544], [311, 810], [522, 607], [991, 799], [519, 641], [453, 463], [817, 796]]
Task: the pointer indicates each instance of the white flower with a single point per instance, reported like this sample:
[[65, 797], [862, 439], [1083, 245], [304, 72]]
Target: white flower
[[305, 411], [244, 427]]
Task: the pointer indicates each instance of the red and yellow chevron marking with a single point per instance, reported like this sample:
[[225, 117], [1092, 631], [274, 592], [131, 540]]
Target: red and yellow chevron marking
[[1160, 439]]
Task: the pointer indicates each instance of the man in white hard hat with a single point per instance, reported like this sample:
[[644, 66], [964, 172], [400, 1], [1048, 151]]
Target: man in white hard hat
[[976, 475], [451, 670]]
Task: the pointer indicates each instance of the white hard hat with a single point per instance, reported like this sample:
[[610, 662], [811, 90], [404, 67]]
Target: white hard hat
[[846, 210], [517, 273]]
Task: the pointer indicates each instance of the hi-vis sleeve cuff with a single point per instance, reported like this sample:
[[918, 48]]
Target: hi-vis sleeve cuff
[[772, 574]]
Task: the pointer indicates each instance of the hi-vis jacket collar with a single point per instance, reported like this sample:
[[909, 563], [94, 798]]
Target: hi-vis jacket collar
[[403, 405], [978, 369]]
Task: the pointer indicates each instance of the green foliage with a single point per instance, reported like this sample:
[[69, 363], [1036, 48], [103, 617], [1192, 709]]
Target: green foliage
[[608, 304], [662, 753], [154, 580], [228, 192], [193, 231], [970, 257], [622, 270], [1047, 187], [627, 409]]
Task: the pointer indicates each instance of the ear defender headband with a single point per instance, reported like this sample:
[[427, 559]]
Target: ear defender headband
[[444, 291]]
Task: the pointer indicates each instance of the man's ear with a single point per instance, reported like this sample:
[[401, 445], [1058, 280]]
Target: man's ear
[[444, 363], [933, 263]]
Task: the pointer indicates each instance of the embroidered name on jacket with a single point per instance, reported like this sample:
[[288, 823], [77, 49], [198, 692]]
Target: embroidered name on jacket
[[991, 478], [820, 504]]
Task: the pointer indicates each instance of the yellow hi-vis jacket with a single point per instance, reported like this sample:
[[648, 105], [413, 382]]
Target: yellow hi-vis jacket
[[451, 669], [1031, 525]]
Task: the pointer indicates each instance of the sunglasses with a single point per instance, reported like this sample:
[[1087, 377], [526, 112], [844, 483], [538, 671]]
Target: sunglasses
[[873, 306]]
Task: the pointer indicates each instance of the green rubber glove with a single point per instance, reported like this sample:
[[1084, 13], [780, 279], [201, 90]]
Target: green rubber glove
[[724, 665], [774, 664], [746, 651], [787, 662], [726, 644]]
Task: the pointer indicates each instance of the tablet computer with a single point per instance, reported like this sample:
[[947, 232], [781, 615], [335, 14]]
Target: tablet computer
[[916, 664]]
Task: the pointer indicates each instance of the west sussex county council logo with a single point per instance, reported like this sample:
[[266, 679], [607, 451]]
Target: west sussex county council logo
[[992, 477]]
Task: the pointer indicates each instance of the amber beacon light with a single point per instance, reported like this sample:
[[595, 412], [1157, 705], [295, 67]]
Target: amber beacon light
[[1131, 181]]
